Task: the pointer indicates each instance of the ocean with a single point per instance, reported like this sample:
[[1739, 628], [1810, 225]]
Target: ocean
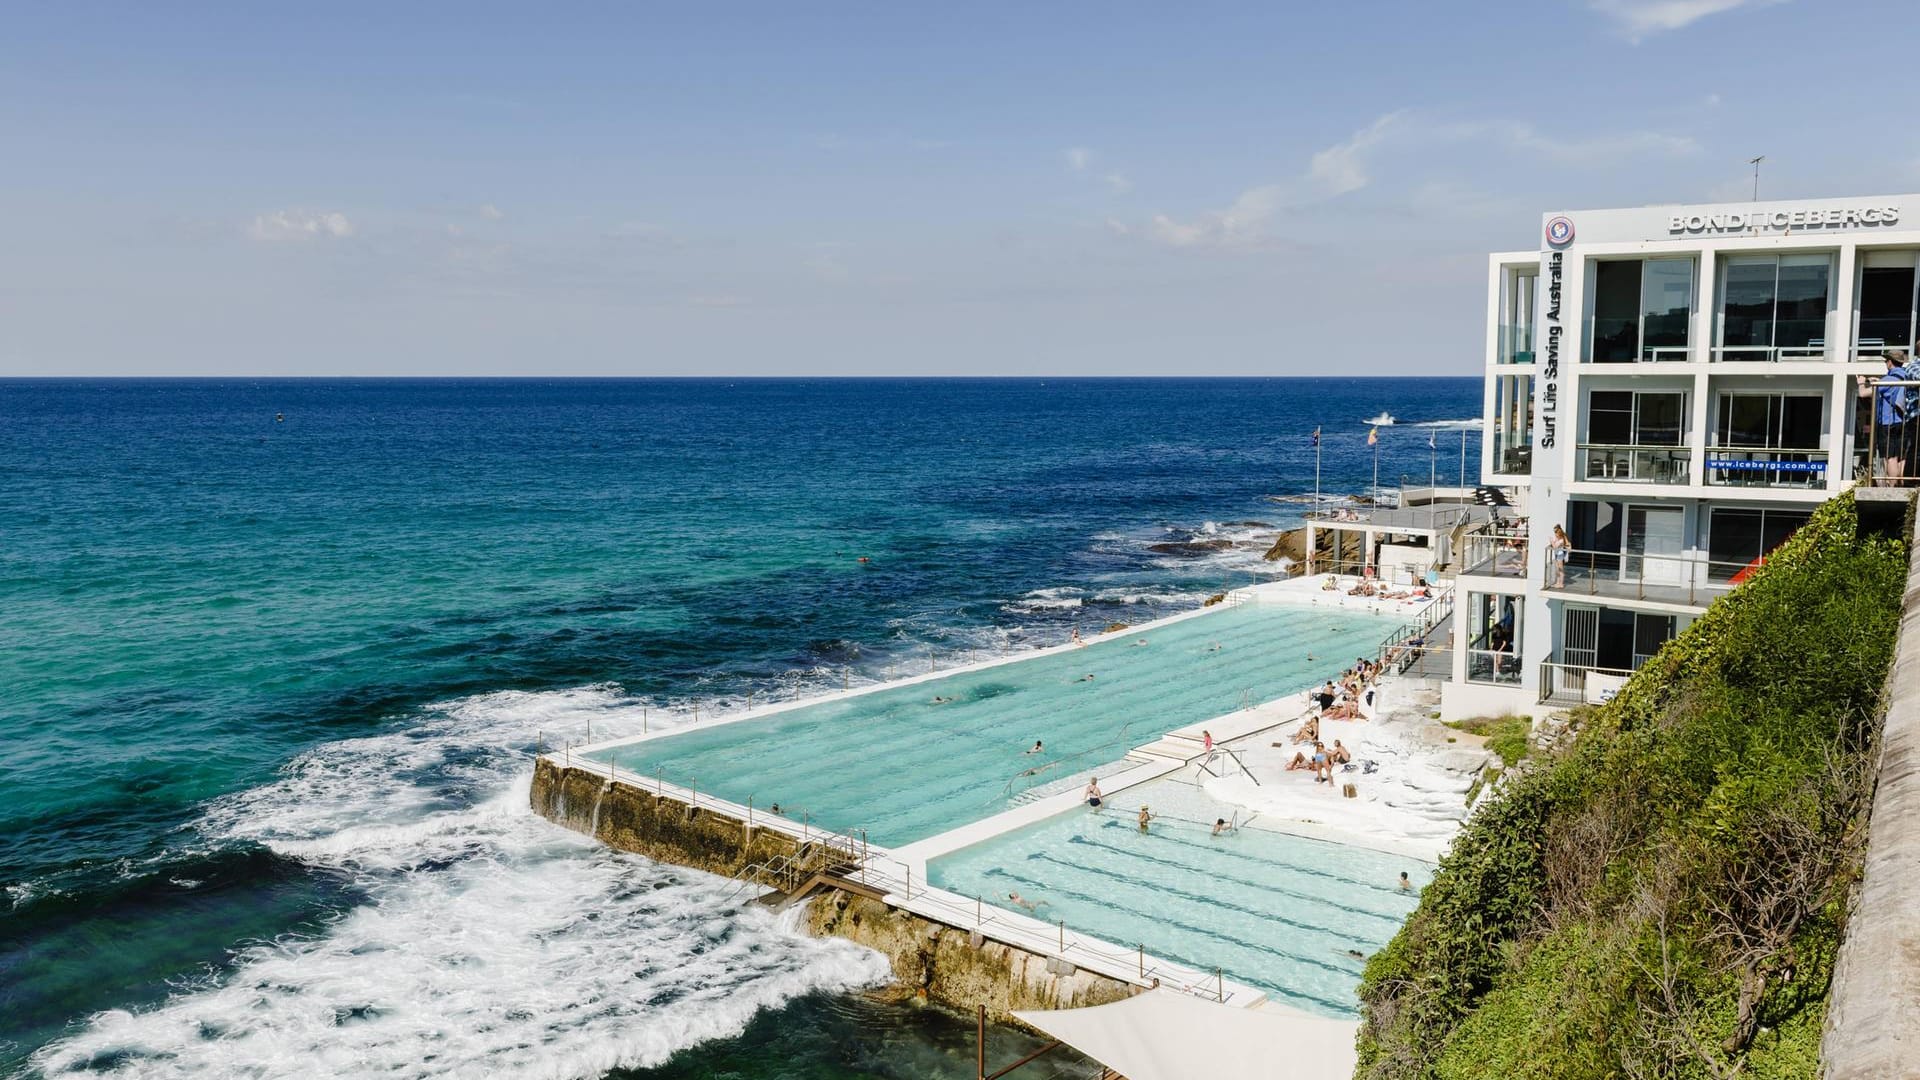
[[276, 655]]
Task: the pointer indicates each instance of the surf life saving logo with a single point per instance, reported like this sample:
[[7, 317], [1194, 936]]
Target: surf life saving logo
[[1560, 231]]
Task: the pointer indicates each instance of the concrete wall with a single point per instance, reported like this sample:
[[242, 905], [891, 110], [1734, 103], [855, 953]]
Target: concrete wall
[[1873, 1014], [663, 828], [954, 967], [931, 961]]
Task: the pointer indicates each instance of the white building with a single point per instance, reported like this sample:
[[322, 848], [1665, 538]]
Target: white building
[[1676, 387]]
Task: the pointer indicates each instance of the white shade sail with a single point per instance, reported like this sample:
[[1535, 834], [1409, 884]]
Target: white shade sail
[[1167, 1035]]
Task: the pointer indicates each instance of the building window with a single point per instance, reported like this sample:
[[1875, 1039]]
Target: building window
[[1513, 424], [1642, 309], [1774, 306], [1598, 637], [1516, 328], [1737, 538], [1493, 622], [1768, 440], [1887, 301], [1627, 433]]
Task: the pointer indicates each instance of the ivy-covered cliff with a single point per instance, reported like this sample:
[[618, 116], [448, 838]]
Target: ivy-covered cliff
[[1664, 897]]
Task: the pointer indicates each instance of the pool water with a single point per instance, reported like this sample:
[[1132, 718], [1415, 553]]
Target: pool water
[[903, 767], [1278, 912]]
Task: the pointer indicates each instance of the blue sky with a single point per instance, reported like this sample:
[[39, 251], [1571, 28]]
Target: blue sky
[[1115, 189]]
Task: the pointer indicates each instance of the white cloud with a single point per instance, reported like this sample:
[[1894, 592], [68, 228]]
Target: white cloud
[[491, 212], [1332, 172], [1342, 167], [1118, 183], [1118, 227], [1599, 148], [300, 225], [1641, 19], [1077, 157]]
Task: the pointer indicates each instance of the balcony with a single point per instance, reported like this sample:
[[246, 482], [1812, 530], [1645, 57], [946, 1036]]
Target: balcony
[[1621, 464], [1688, 580], [1513, 458], [1884, 454], [1495, 550], [1577, 684], [1746, 467], [1516, 345]]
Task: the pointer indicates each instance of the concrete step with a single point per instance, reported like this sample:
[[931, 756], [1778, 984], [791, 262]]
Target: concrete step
[[1167, 750]]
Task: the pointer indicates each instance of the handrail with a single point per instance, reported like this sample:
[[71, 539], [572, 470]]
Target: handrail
[[1243, 768], [1624, 573]]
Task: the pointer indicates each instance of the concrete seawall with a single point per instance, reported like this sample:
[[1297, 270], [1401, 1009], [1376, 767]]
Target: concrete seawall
[[932, 960]]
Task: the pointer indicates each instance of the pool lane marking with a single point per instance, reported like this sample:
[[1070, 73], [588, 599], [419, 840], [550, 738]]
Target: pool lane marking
[[1228, 853]]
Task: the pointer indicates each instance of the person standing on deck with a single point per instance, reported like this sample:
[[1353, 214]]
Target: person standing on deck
[[1893, 414]]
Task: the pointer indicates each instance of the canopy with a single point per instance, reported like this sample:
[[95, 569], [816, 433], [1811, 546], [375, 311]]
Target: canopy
[[1166, 1035]]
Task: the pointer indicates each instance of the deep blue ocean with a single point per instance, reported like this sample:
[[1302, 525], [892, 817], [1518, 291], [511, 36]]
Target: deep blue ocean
[[274, 655]]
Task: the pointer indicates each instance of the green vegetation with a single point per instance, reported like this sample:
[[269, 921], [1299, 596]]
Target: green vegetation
[[1664, 897], [1505, 735]]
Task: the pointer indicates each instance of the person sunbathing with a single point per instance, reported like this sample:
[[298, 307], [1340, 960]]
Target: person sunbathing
[[1309, 731], [1340, 754], [1332, 584], [1299, 761], [1346, 710]]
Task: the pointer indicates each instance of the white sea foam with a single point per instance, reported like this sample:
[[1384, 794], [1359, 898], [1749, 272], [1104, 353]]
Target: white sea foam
[[492, 942], [1047, 600]]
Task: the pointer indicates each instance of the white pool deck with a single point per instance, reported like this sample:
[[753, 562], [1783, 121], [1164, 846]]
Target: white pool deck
[[902, 871]]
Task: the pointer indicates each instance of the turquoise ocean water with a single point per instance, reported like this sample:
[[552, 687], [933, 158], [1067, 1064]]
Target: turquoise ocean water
[[275, 653]]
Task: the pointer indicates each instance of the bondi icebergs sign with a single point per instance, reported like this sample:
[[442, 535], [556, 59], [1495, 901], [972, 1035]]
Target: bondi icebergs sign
[[1782, 220]]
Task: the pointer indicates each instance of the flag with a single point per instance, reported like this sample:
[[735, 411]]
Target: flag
[[1316, 437], [1373, 436]]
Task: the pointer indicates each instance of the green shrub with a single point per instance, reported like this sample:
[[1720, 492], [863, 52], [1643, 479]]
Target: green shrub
[[1665, 896]]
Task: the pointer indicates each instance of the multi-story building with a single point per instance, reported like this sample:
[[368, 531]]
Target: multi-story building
[[1676, 387]]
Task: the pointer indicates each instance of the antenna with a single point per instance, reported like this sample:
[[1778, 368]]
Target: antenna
[[1755, 162]]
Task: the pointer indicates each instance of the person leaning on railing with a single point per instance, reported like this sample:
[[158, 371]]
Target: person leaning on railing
[[1893, 412]]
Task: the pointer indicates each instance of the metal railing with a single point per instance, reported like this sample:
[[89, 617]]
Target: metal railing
[[1885, 454], [1030, 934], [1399, 651], [1495, 551], [1622, 463], [1768, 467], [1500, 667], [1678, 579], [1814, 350], [1578, 684]]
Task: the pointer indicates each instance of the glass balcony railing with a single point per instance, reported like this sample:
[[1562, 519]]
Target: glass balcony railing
[[1512, 456], [1634, 464], [1516, 345], [1692, 580], [1748, 467]]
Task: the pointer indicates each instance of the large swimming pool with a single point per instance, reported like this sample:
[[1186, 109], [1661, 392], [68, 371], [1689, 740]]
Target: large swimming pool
[[904, 767], [1278, 912]]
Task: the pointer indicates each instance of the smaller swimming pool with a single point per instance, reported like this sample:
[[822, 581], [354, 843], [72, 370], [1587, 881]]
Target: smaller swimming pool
[[1278, 912]]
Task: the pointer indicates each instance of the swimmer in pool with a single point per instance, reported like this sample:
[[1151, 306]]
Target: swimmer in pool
[[1037, 747], [1215, 647], [942, 700], [1145, 817], [1030, 905], [1405, 885], [1094, 797], [1075, 637], [1085, 678], [1139, 643], [1220, 825]]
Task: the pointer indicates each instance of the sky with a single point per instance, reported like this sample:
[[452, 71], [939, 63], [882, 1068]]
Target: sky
[[883, 189]]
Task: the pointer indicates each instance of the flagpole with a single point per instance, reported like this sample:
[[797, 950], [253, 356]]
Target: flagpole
[[1376, 468], [1433, 464], [1463, 459]]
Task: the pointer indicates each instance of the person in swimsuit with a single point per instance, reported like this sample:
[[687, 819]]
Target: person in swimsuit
[[1036, 747], [1145, 817], [1220, 825], [1030, 905], [1094, 797]]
